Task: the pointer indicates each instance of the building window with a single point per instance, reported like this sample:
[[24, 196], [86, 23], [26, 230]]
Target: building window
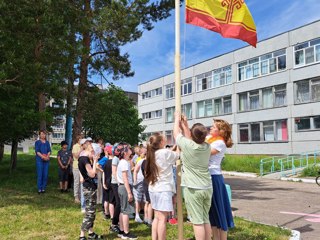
[[152, 93], [204, 108], [170, 114], [265, 64], [268, 131], [217, 106], [152, 115], [227, 105], [263, 98], [170, 91], [204, 81], [222, 76], [307, 91], [186, 109], [145, 136], [307, 53], [186, 86], [307, 123], [169, 136], [58, 135]]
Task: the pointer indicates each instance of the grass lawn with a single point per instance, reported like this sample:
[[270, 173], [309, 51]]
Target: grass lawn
[[242, 163], [27, 215]]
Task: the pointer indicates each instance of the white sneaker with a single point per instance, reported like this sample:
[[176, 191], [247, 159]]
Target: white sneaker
[[83, 210], [138, 220]]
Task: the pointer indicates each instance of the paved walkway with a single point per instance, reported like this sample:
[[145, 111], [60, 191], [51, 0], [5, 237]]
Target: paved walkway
[[293, 205]]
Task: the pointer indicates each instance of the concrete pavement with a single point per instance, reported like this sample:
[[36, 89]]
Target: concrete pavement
[[295, 205]]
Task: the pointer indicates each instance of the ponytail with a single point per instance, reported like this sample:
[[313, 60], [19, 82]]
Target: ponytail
[[151, 170]]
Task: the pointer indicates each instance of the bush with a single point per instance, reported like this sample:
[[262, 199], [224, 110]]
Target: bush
[[312, 171]]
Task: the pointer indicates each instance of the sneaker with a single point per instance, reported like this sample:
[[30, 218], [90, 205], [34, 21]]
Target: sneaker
[[83, 210], [120, 233], [94, 236], [173, 221], [114, 228], [138, 219], [129, 236]]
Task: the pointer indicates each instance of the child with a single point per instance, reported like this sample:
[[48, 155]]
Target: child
[[87, 168], [124, 177], [159, 174], [220, 212], [196, 182], [138, 190], [64, 160]]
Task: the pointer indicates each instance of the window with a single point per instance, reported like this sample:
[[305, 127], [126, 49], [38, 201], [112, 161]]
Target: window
[[170, 114], [255, 132], [169, 136], [307, 123], [307, 91], [204, 81], [222, 76], [265, 64], [152, 115], [204, 108], [270, 97], [152, 93], [217, 106], [170, 91], [307, 53], [268, 131], [254, 100], [186, 109], [186, 86], [227, 106], [244, 132]]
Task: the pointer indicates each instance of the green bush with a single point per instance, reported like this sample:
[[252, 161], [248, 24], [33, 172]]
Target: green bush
[[312, 171]]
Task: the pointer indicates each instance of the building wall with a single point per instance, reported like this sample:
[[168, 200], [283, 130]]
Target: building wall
[[297, 141]]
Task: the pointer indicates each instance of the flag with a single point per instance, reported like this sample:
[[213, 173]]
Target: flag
[[230, 18]]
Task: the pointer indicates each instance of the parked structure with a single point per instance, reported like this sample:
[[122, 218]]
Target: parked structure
[[270, 94]]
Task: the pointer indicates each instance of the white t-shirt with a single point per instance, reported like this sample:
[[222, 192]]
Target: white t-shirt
[[115, 162], [140, 176], [165, 159], [216, 159], [124, 165]]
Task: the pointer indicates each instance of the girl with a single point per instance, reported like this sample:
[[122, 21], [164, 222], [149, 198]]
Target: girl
[[43, 151], [220, 212], [159, 174], [87, 167]]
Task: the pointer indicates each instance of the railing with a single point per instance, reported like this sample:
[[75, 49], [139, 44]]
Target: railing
[[291, 163]]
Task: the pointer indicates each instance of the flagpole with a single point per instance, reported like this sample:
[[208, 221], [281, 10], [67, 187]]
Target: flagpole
[[178, 108]]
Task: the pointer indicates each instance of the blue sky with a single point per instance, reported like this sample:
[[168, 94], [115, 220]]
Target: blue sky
[[152, 56]]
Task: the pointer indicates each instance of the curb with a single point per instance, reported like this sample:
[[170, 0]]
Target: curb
[[240, 174], [304, 180], [295, 235]]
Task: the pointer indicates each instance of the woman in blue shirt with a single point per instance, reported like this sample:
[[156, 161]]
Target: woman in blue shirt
[[43, 151]]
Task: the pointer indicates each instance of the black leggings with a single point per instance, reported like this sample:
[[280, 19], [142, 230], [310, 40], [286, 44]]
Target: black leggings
[[117, 207]]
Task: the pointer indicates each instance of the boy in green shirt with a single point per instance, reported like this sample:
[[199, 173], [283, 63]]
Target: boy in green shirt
[[196, 179]]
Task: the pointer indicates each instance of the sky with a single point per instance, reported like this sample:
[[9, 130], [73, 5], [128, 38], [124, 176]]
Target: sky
[[152, 56]]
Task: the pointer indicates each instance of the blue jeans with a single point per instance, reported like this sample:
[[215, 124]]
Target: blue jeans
[[42, 174]]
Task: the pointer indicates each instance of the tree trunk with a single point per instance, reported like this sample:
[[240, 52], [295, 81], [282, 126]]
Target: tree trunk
[[1, 151], [82, 87], [42, 109], [14, 150]]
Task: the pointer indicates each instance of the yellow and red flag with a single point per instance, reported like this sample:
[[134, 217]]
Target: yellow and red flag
[[230, 18]]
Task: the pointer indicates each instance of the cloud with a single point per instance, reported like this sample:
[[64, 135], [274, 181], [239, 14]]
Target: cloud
[[152, 56]]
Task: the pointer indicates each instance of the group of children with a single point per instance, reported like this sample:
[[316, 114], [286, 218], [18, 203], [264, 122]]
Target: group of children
[[144, 178]]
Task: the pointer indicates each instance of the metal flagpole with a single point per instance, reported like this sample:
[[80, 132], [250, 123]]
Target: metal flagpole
[[178, 108]]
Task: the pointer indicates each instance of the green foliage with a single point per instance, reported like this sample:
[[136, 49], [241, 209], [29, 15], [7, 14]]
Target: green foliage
[[111, 115], [242, 163], [312, 171], [27, 215]]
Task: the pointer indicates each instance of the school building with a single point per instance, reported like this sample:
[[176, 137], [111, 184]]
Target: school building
[[269, 94]]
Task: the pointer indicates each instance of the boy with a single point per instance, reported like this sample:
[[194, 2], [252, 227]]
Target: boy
[[64, 160]]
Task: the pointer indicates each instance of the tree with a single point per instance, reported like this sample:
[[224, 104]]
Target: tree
[[111, 115], [107, 26]]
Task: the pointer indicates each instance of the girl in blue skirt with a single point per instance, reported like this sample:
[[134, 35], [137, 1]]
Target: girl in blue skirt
[[220, 212]]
